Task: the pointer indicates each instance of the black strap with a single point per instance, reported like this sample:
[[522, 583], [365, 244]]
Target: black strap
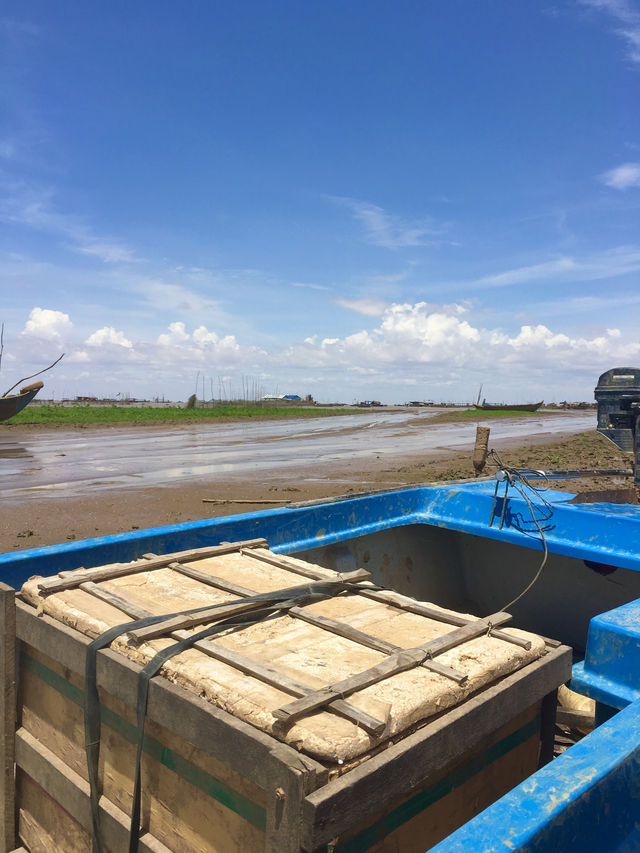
[[278, 601]]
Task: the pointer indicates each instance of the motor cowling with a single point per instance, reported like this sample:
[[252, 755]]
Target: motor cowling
[[618, 397]]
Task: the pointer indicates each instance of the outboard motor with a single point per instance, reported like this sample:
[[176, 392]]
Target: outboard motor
[[618, 397]]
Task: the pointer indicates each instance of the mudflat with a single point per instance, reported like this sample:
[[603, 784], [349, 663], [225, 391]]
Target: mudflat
[[50, 520]]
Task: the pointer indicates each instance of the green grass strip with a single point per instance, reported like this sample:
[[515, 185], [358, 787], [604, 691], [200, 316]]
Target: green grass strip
[[197, 777], [148, 414]]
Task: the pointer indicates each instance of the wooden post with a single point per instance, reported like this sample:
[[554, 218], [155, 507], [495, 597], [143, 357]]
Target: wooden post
[[7, 717], [481, 449]]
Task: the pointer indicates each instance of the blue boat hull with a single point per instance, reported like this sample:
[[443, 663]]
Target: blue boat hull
[[453, 545]]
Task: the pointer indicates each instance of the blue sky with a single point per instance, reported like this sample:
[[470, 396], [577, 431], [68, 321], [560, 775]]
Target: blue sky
[[354, 200]]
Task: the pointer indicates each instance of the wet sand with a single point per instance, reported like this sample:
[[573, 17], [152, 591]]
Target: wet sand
[[52, 519]]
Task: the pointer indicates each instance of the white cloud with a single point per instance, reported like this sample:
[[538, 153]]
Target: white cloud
[[308, 285], [627, 19], [608, 264], [47, 325], [623, 177], [108, 335], [519, 275], [368, 307], [439, 342], [34, 207], [384, 229], [177, 335], [427, 345], [77, 357], [174, 297], [112, 253]]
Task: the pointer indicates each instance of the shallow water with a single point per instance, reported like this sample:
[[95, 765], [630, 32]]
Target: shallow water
[[77, 463]]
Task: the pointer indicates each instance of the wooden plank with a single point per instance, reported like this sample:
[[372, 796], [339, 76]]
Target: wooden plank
[[244, 664], [72, 792], [211, 580], [284, 805], [392, 665], [236, 608], [547, 727], [388, 597], [115, 570], [7, 716], [342, 629], [190, 717], [575, 719], [114, 600], [282, 562], [408, 604], [386, 778]]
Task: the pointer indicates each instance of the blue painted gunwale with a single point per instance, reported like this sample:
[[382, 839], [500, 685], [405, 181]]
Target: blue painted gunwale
[[585, 800], [605, 533]]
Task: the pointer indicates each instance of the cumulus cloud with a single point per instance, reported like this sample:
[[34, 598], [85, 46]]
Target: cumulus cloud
[[204, 346], [108, 335], [47, 325], [177, 335], [440, 339], [436, 346], [623, 177]]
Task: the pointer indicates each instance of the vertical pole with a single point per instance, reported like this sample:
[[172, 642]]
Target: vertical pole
[[7, 717], [547, 727], [636, 446]]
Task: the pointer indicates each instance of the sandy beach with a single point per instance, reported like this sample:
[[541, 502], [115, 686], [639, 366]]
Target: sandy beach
[[50, 520]]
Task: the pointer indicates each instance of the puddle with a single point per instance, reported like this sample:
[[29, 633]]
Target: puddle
[[59, 462]]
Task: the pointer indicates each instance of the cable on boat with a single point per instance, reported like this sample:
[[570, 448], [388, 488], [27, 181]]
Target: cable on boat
[[510, 477]]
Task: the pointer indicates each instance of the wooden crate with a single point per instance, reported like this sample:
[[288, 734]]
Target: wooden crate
[[215, 782]]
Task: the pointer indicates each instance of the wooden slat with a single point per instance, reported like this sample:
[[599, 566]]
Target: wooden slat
[[244, 664], [218, 733], [393, 599], [575, 719], [7, 716], [385, 779], [235, 608], [408, 604], [392, 665], [72, 792], [114, 600], [211, 580], [282, 562], [115, 570], [282, 682], [342, 629]]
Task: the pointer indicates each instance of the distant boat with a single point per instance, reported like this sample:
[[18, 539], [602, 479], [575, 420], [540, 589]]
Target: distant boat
[[11, 404], [508, 407]]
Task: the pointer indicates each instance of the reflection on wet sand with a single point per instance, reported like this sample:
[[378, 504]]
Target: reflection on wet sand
[[61, 461]]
